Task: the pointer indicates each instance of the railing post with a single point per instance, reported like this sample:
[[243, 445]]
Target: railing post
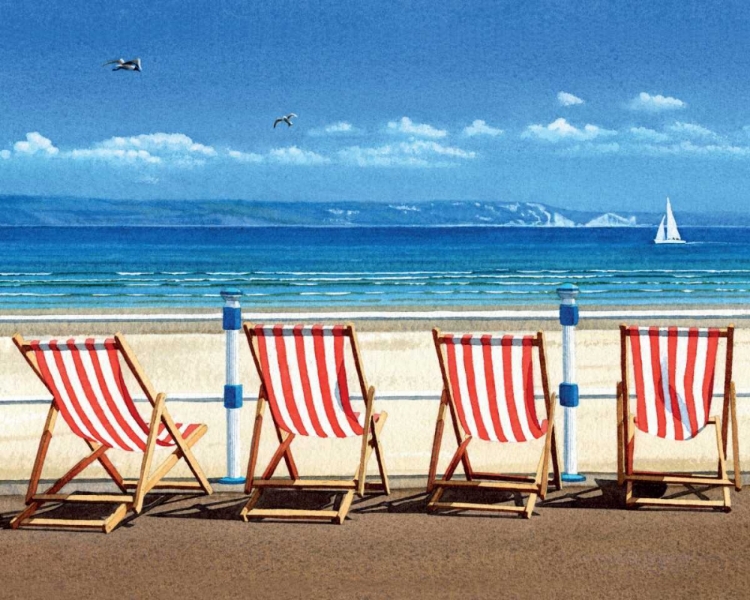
[[569, 388], [232, 322]]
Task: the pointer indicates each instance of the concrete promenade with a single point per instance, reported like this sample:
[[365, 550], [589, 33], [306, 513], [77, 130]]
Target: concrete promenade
[[580, 543]]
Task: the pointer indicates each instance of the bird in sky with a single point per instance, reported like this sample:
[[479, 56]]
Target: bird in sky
[[285, 119], [126, 65]]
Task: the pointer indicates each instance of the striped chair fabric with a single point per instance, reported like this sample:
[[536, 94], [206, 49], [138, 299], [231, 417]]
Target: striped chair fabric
[[88, 388], [492, 383], [304, 372], [673, 371]]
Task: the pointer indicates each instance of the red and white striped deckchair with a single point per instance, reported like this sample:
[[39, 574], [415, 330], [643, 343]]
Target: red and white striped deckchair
[[88, 390], [673, 371], [488, 386], [305, 374]]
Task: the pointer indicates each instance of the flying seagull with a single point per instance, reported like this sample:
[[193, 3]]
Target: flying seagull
[[128, 65], [286, 119]]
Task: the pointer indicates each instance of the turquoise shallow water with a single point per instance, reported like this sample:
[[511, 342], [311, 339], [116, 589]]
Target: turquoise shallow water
[[51, 267]]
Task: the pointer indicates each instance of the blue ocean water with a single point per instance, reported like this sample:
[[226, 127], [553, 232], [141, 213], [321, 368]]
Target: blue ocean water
[[50, 267]]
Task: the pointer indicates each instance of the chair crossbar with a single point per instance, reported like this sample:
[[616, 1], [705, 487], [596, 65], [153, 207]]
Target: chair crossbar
[[93, 498], [491, 485]]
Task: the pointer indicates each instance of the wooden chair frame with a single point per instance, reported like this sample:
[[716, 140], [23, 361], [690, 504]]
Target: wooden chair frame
[[535, 486], [627, 474], [371, 442], [133, 492]]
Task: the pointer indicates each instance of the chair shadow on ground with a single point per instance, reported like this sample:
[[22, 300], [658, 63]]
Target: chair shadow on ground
[[605, 494], [228, 508], [95, 510]]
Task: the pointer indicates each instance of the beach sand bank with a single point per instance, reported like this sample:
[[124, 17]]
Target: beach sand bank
[[187, 363]]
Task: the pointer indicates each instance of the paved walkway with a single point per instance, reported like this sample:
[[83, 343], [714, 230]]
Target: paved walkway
[[579, 543]]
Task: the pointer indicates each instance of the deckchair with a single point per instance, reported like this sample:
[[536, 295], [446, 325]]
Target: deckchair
[[673, 373], [305, 378], [488, 387], [88, 389]]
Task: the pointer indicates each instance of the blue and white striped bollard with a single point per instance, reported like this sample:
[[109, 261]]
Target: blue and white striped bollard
[[569, 388], [232, 323]]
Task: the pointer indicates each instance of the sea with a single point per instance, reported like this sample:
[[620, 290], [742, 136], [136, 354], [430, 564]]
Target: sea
[[425, 267]]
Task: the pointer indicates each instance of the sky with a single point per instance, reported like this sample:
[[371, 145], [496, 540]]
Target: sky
[[585, 105]]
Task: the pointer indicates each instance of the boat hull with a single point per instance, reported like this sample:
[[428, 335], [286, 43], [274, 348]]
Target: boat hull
[[669, 242]]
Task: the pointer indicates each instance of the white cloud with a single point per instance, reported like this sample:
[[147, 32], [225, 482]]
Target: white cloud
[[588, 148], [339, 128], [690, 148], [296, 156], [646, 134], [407, 126], [175, 149], [566, 99], [123, 155], [560, 129], [691, 130], [245, 157], [657, 103], [172, 143], [414, 153], [35, 144], [5, 154], [480, 127]]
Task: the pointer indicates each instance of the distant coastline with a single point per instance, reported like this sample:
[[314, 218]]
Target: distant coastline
[[37, 211]]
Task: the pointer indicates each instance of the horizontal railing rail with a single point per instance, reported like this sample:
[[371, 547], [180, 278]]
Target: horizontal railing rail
[[591, 394]]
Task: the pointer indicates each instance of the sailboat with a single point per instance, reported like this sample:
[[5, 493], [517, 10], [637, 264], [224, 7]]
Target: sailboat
[[669, 234]]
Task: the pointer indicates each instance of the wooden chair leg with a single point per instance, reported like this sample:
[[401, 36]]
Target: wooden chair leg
[[346, 503], [436, 442], [41, 454], [530, 503], [148, 454], [735, 441], [379, 457], [620, 437], [374, 445], [186, 452], [543, 475], [276, 458], [252, 501], [721, 446], [368, 435], [291, 466], [255, 443], [556, 470], [457, 458]]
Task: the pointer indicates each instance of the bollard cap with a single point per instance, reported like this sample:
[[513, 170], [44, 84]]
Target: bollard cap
[[231, 294], [567, 291]]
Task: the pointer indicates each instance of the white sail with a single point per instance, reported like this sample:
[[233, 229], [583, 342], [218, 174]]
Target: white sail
[[660, 235], [669, 234], [672, 232]]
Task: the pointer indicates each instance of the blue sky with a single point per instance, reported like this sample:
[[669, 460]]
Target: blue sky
[[585, 105]]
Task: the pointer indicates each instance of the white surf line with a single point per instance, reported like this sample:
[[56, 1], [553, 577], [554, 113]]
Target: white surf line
[[114, 318], [493, 315]]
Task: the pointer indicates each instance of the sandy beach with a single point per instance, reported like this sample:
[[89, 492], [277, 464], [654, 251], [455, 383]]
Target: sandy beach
[[186, 360]]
